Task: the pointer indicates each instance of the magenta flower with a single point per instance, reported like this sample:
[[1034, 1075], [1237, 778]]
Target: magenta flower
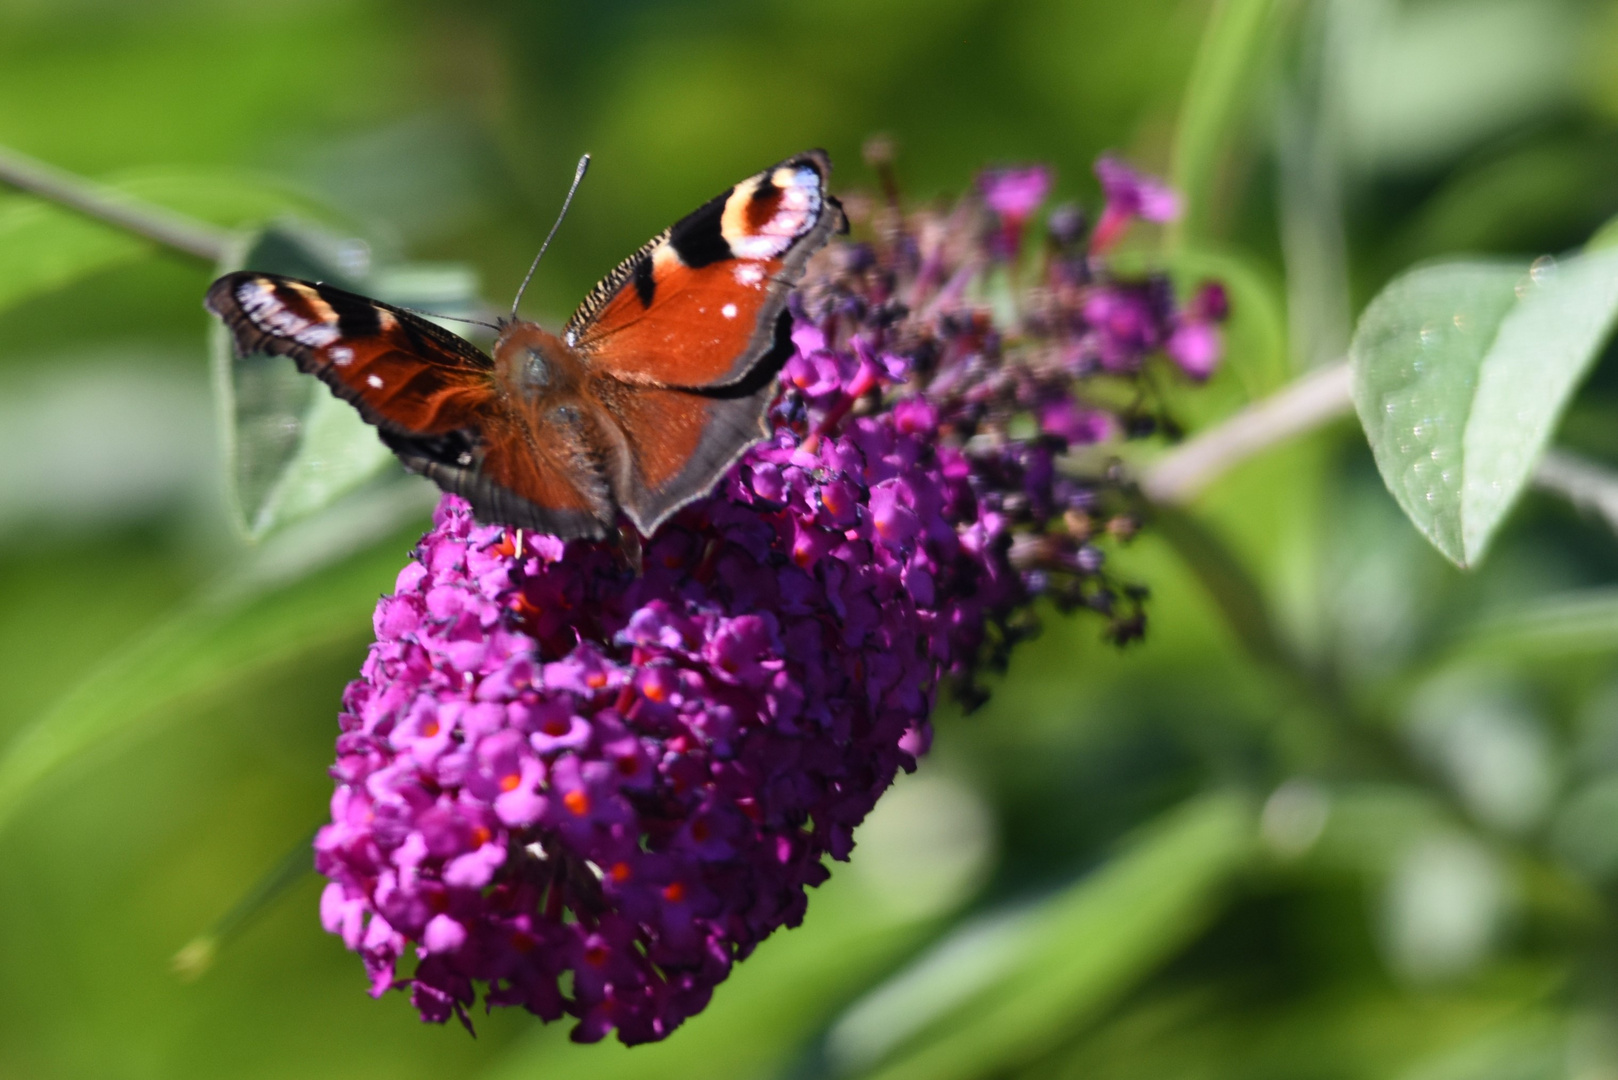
[[1195, 343], [1129, 195], [588, 792], [1013, 195]]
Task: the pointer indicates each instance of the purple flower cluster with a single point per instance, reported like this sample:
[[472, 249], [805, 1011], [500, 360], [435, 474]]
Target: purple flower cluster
[[1111, 324], [591, 791]]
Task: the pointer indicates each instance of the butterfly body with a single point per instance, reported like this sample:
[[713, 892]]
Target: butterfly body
[[658, 383]]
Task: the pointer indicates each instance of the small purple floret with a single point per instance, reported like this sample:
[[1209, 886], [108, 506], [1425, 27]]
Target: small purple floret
[[1014, 195], [1131, 192], [1130, 195]]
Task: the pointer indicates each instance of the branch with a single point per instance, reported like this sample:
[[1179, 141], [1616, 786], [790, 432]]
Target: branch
[[1317, 399], [161, 226], [1301, 406], [1590, 487]]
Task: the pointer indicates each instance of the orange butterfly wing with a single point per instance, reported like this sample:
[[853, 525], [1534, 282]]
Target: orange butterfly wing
[[432, 395], [677, 443], [697, 306], [402, 372], [684, 338], [679, 347]]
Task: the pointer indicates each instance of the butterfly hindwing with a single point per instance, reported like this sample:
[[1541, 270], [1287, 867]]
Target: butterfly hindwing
[[541, 477], [677, 441], [697, 306]]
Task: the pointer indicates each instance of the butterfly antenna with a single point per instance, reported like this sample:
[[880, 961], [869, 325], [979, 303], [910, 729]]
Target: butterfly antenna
[[448, 318], [578, 174]]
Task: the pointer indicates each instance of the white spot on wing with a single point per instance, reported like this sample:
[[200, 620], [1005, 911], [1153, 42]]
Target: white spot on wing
[[341, 355], [317, 335], [749, 273], [374, 380], [728, 311]]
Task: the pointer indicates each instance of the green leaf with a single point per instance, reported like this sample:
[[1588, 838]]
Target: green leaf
[[198, 955], [291, 447], [1552, 627], [45, 247], [1461, 373], [1603, 238], [1222, 80], [1087, 946], [253, 622]]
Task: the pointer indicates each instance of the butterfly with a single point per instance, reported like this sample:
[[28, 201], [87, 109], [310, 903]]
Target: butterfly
[[654, 388]]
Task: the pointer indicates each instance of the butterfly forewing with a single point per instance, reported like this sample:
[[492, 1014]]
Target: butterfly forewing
[[402, 372], [432, 395], [697, 306], [684, 338]]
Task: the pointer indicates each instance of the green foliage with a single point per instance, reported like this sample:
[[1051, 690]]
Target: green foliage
[[44, 247], [1461, 373], [1346, 813], [291, 447], [226, 639], [1229, 69], [1080, 951]]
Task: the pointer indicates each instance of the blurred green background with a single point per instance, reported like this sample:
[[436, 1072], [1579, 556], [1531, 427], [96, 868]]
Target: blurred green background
[[1348, 812]]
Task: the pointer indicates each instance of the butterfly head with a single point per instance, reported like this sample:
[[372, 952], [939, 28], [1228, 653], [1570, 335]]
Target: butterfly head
[[535, 361]]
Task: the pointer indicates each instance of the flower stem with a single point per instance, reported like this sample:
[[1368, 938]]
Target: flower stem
[[176, 231], [1303, 405], [1590, 487], [1313, 401], [199, 953]]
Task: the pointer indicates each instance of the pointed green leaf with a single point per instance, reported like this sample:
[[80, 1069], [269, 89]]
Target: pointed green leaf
[[1603, 238], [1461, 373], [1221, 85], [1087, 946], [45, 247], [1562, 626], [270, 611], [291, 447]]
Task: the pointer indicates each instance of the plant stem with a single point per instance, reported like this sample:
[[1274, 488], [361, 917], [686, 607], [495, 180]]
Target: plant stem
[[161, 226], [1308, 403], [1590, 487], [1317, 399]]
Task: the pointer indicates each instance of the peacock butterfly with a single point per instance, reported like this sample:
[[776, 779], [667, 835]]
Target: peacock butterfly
[[657, 384]]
